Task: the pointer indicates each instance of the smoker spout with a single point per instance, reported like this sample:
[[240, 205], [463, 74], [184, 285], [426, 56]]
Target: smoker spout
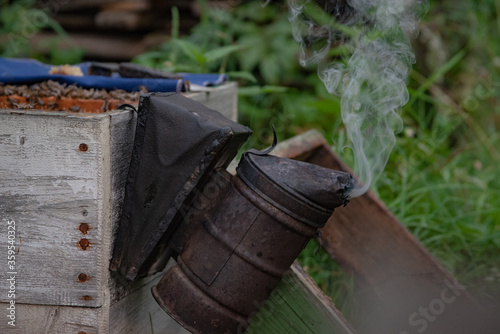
[[325, 187]]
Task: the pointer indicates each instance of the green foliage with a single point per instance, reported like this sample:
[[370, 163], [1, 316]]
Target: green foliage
[[254, 45], [21, 21], [192, 54]]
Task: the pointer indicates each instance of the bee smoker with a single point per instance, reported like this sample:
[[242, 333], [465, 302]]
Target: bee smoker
[[239, 247], [236, 235]]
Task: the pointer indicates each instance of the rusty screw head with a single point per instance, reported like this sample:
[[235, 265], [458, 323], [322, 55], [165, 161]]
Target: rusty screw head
[[83, 278], [83, 147], [84, 243], [84, 228]]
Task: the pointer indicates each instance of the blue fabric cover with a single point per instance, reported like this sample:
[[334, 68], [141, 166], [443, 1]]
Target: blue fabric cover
[[29, 71], [204, 79]]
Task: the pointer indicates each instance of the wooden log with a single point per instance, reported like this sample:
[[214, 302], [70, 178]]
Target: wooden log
[[400, 286], [75, 20], [96, 46], [129, 5], [127, 20], [85, 4]]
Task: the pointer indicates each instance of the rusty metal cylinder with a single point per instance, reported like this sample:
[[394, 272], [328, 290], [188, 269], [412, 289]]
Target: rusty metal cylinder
[[240, 245]]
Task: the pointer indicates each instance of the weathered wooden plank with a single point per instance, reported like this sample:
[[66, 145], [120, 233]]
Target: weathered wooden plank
[[132, 314], [50, 187], [298, 305], [397, 279], [47, 319]]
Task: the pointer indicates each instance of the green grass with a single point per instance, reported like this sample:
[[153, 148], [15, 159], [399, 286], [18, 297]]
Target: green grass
[[448, 195]]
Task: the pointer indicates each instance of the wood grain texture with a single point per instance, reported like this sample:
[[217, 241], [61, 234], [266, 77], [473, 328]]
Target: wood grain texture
[[45, 319], [298, 305], [50, 187]]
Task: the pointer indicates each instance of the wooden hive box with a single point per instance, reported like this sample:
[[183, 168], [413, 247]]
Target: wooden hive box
[[62, 177]]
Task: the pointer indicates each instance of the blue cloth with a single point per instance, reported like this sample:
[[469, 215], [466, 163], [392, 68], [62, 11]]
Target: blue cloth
[[204, 79], [29, 71]]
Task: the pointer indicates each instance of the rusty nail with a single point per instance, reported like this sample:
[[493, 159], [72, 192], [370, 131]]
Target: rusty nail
[[84, 228], [83, 147], [84, 243], [86, 298], [83, 278]]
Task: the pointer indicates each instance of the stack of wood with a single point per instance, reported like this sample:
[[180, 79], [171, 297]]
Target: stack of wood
[[119, 29]]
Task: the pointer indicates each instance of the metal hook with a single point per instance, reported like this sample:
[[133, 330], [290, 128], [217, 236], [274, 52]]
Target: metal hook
[[267, 151]]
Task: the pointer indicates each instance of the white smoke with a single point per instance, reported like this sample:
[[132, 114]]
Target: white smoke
[[371, 79]]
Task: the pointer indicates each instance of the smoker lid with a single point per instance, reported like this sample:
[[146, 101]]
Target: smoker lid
[[303, 190]]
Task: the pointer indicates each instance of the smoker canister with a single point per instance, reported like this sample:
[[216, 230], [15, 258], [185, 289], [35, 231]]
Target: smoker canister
[[239, 246]]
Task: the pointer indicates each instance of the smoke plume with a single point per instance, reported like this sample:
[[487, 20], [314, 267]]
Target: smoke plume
[[370, 74]]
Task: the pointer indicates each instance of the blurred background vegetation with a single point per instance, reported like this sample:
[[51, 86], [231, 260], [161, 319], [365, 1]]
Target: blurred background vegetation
[[442, 180]]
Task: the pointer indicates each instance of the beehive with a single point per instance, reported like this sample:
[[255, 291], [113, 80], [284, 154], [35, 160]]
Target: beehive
[[62, 177]]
